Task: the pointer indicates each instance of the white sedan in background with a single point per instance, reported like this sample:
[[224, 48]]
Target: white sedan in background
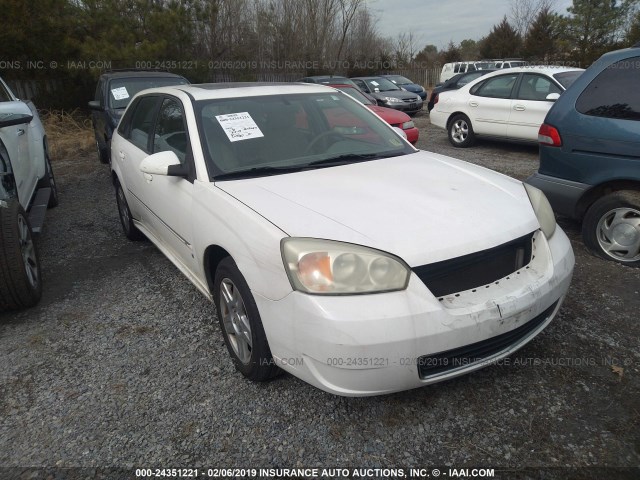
[[331, 247], [507, 104]]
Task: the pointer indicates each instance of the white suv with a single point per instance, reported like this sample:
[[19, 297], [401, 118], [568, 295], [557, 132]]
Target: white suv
[[27, 184]]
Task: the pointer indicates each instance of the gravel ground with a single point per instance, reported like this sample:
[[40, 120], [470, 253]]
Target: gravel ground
[[122, 364]]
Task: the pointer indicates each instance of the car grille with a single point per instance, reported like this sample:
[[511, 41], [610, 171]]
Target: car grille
[[476, 269], [411, 100], [466, 356]]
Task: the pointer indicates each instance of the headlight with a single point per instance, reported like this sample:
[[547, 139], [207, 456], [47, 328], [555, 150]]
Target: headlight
[[393, 100], [407, 125], [542, 209], [336, 268]]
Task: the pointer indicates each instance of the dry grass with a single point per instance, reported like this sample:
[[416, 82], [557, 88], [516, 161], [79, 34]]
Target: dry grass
[[70, 134]]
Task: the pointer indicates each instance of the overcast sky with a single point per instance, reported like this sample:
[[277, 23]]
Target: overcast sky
[[439, 21]]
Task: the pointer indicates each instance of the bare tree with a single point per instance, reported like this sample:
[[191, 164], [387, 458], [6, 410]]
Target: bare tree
[[348, 10], [405, 48], [524, 12]]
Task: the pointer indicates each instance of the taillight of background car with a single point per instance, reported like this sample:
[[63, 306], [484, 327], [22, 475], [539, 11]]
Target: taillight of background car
[[548, 135]]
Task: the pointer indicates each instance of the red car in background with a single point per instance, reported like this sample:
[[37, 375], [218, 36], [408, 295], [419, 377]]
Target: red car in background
[[393, 117]]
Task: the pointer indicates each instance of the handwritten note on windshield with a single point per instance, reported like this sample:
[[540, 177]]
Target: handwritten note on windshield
[[239, 126]]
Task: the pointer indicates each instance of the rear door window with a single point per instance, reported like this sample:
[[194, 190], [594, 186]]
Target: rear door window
[[496, 87], [142, 122], [614, 93]]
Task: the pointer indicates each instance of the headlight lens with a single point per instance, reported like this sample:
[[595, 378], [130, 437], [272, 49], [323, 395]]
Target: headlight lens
[[393, 100], [407, 125], [542, 209], [335, 268]]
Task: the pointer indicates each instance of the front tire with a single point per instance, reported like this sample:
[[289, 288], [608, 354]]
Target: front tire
[[20, 278], [241, 324], [460, 131], [611, 227], [126, 220]]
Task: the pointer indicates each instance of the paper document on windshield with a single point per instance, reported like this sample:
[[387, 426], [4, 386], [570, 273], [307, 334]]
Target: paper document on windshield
[[120, 93], [239, 126]]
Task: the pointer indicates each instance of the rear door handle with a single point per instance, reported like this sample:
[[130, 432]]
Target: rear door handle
[[20, 131], [520, 108], [121, 155], [473, 104]]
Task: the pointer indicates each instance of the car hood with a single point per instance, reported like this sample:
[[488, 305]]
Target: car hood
[[422, 207], [390, 115], [412, 87]]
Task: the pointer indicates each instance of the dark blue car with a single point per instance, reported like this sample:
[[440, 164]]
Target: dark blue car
[[407, 84], [590, 155]]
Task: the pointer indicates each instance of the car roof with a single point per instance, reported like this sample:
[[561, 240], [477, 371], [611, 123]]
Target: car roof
[[325, 77], [208, 91], [140, 74], [548, 69]]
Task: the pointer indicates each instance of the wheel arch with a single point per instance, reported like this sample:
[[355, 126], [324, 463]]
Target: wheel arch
[[599, 191], [454, 114], [212, 257]]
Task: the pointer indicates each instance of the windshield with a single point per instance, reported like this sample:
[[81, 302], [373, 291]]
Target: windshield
[[399, 80], [266, 135], [381, 85], [566, 79], [122, 90], [355, 93]]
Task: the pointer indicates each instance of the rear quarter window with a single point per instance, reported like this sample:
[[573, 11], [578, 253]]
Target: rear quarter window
[[614, 93]]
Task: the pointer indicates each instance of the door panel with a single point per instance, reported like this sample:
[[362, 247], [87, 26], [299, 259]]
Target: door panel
[[170, 198], [130, 152], [490, 104]]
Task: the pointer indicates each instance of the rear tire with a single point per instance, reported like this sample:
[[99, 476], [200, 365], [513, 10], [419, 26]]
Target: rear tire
[[20, 278], [460, 131], [611, 227], [241, 324], [126, 220], [103, 152]]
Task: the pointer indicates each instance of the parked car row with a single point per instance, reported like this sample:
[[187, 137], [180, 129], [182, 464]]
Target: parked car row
[[390, 91], [313, 226]]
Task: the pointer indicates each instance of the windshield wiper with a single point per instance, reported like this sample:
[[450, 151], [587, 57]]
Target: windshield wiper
[[257, 172], [351, 158]]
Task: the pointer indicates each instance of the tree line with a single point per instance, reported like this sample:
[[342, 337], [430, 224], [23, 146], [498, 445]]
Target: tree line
[[535, 32], [212, 40]]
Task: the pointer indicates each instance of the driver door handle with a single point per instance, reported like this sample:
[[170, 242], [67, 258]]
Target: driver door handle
[[20, 131], [473, 104], [520, 108], [121, 155]]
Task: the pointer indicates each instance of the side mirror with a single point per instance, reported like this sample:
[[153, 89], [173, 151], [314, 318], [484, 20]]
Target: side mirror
[[163, 163], [95, 105], [552, 97]]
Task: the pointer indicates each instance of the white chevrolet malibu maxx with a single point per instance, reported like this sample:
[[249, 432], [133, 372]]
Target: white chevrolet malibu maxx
[[331, 247]]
